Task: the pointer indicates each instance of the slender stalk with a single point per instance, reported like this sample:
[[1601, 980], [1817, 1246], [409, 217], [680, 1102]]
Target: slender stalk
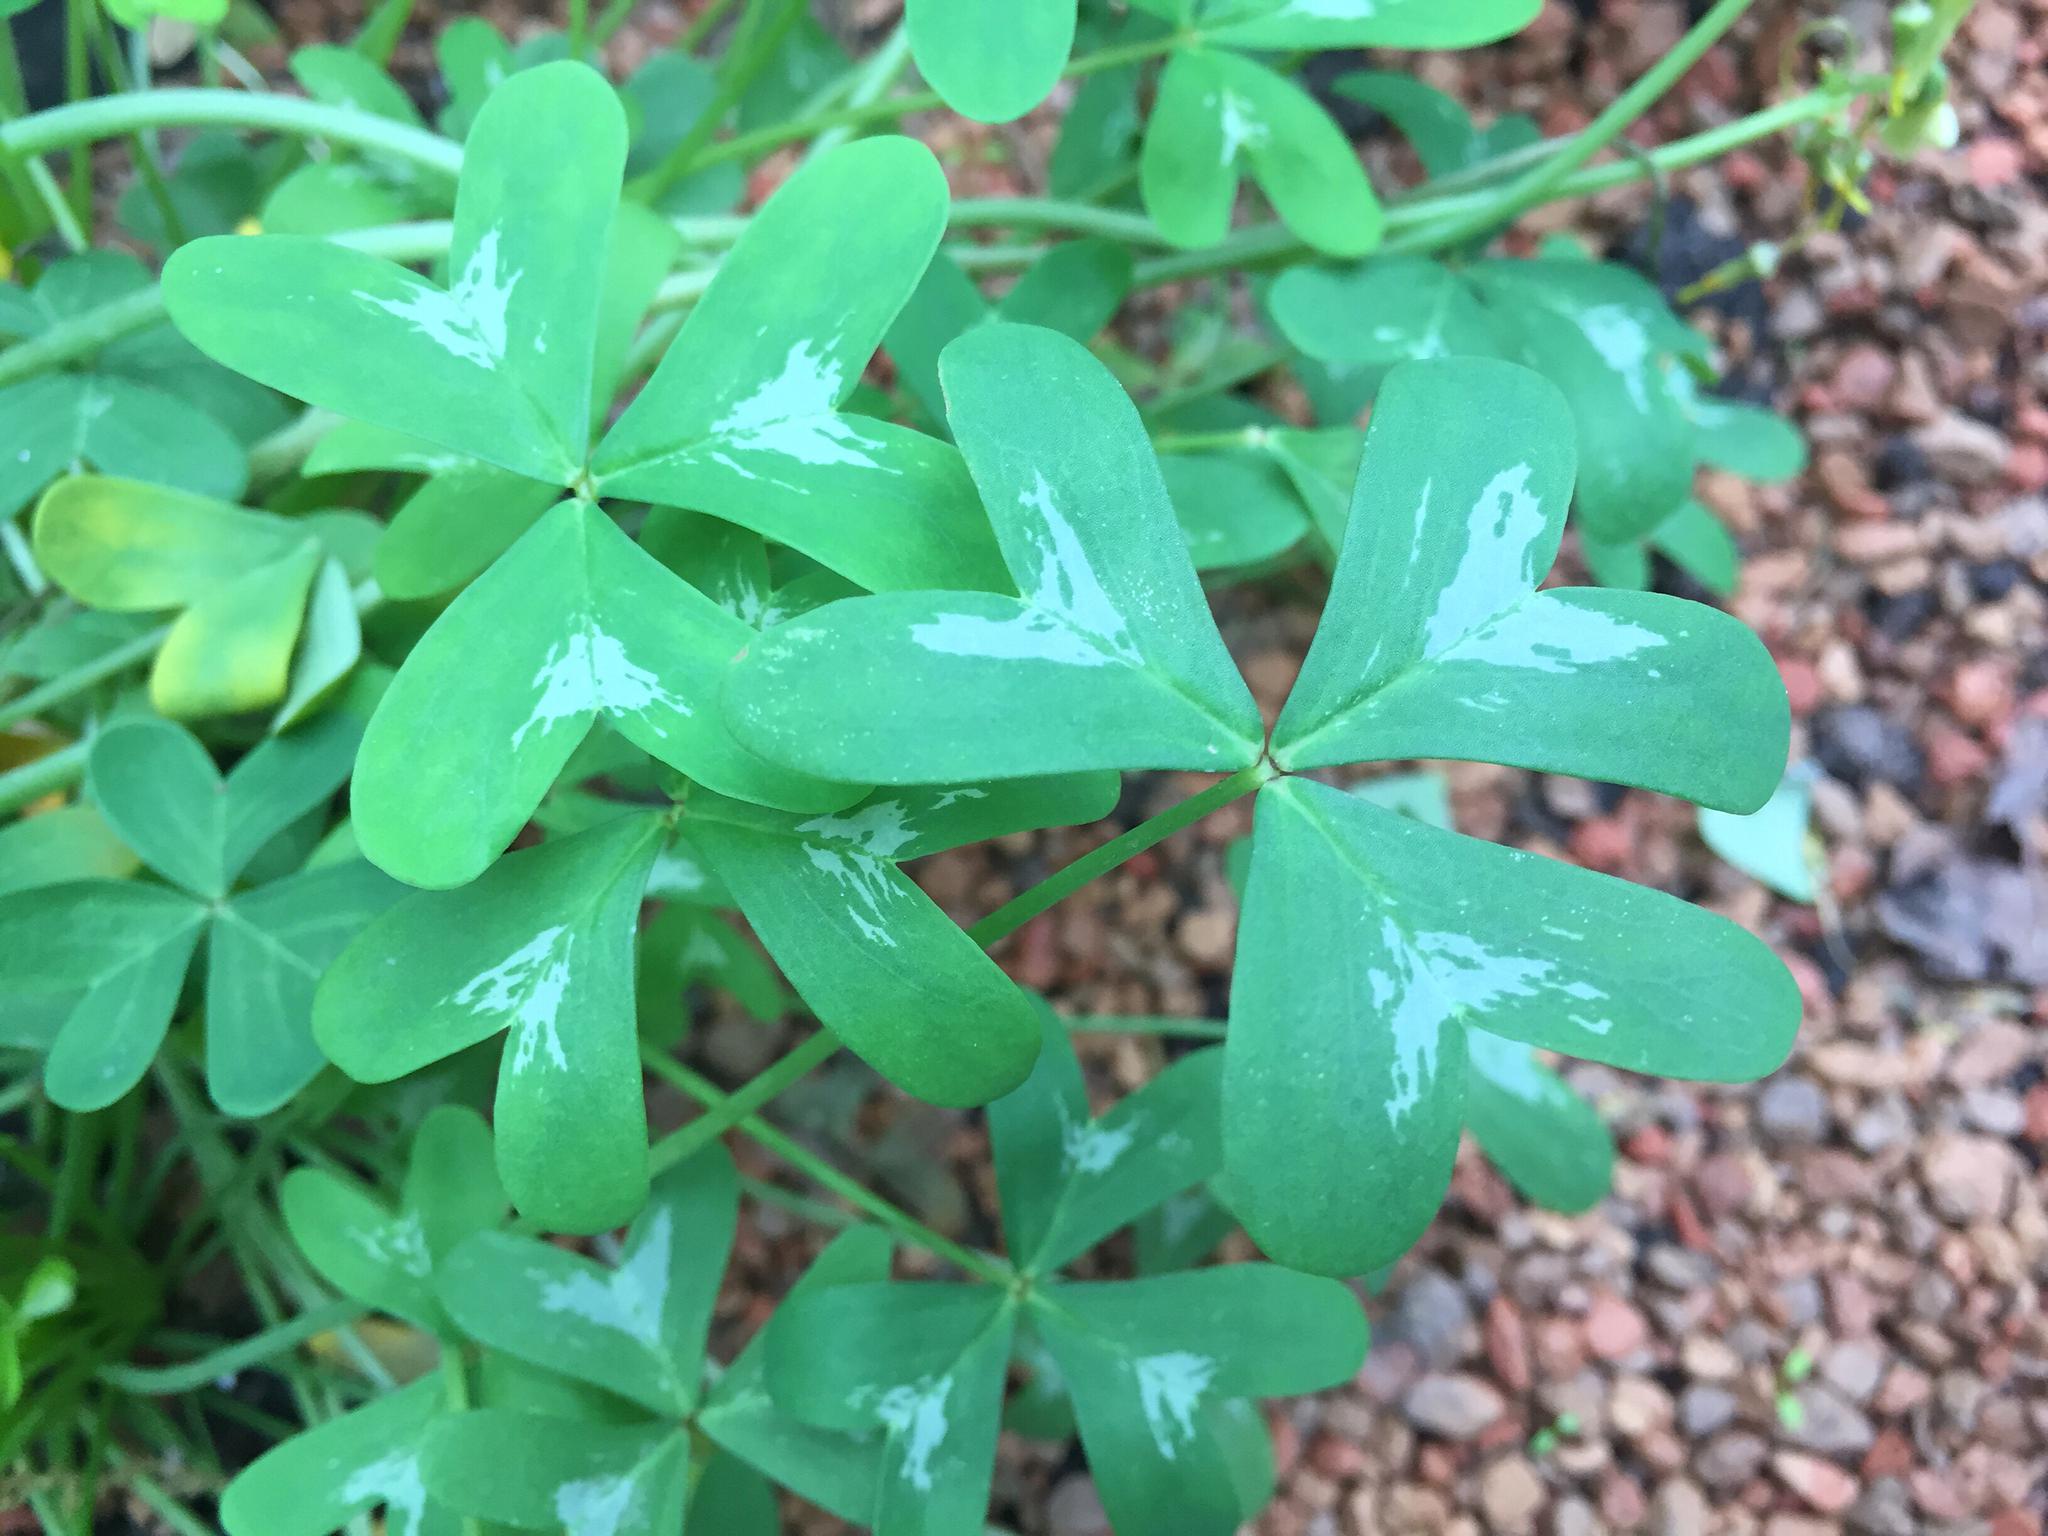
[[698, 30], [872, 80], [744, 62], [47, 775], [579, 27], [1536, 185], [742, 1102], [1093, 865], [279, 1339], [824, 1174]]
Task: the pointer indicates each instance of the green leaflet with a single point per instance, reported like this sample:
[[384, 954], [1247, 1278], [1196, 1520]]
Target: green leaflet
[[540, 1471], [1458, 513], [1366, 23], [1387, 310], [321, 1479], [243, 579], [1436, 124], [1691, 538], [992, 60], [1218, 115], [72, 842], [1552, 1145], [1067, 1180], [575, 622], [1348, 1014], [743, 414], [387, 1258], [1745, 439], [540, 945], [497, 363], [1236, 509], [924, 1365], [1075, 288], [636, 1328], [832, 1470], [1155, 1365], [1770, 844], [876, 960], [1110, 659]]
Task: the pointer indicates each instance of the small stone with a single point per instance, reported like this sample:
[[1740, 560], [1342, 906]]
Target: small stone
[[1638, 1407], [1996, 1112], [1824, 1486], [1881, 1126], [1857, 745], [1432, 1315], [1853, 1368], [1074, 1509], [1452, 1407], [1512, 1495], [1507, 1344], [1614, 1328], [1731, 1459], [1830, 1425], [1962, 449], [1864, 377], [1709, 1359], [1679, 1509], [1208, 938], [1703, 1409], [1793, 1110], [1883, 1510], [1968, 1178]]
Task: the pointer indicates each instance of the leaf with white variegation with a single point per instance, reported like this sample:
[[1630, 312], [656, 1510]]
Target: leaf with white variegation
[[1369, 942], [1153, 1365], [923, 1365], [540, 945], [1069, 1180], [496, 364], [1434, 645], [538, 1471], [574, 623], [319, 1481], [1314, 24], [743, 414], [1109, 660], [1552, 1145]]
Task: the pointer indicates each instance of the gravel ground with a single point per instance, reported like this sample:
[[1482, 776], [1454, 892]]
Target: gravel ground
[[1876, 1210]]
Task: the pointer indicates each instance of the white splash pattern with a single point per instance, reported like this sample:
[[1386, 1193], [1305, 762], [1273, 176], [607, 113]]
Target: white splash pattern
[[794, 415], [401, 1241], [1508, 1065], [1242, 127], [595, 1506], [1090, 1146], [1623, 345], [591, 671], [865, 880], [1170, 1387], [1501, 533], [880, 828], [468, 320], [916, 1412], [1548, 635], [527, 986], [394, 1479], [631, 1298]]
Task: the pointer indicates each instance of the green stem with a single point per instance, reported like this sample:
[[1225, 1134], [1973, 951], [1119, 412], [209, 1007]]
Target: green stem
[[167, 1380], [45, 776], [1093, 865], [1537, 184], [826, 1176], [868, 114], [699, 29], [745, 61], [81, 122], [873, 78], [742, 1102]]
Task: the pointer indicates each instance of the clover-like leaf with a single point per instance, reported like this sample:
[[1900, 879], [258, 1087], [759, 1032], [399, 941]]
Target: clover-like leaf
[[1306, 24], [1219, 115], [319, 1481], [1433, 644], [743, 414], [1369, 942], [541, 945], [838, 1472], [538, 1471], [636, 1328], [386, 1257], [922, 1365], [1108, 660], [496, 364], [881, 966], [1153, 1366], [72, 842], [1068, 1180], [1771, 843], [243, 580], [1387, 310], [575, 622], [992, 60]]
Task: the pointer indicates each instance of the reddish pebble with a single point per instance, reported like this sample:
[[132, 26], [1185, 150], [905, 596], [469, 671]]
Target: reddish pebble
[[1994, 161], [2015, 1522], [1614, 1328], [1954, 758], [1802, 684], [2037, 1113], [1821, 1484], [2026, 467], [1603, 843], [1649, 1145], [1981, 693], [1622, 1504], [1336, 1458], [1507, 1345], [1890, 1455]]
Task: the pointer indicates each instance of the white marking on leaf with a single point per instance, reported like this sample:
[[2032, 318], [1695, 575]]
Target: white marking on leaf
[[1242, 128], [1623, 345], [880, 828], [1091, 1147], [865, 879], [528, 986], [395, 1480], [591, 671], [917, 1413], [954, 796], [1505, 524], [1551, 636], [1170, 1387], [1508, 1065], [629, 1299], [466, 321], [401, 1241], [1029, 635], [595, 1506]]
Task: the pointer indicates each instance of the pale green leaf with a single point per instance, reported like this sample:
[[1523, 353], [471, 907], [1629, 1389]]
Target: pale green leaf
[[991, 60], [318, 1481]]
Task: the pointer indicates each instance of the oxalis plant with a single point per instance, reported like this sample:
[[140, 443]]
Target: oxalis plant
[[496, 473]]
